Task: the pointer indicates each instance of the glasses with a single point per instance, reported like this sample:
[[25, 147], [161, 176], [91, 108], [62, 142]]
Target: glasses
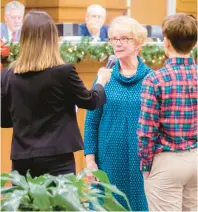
[[96, 16], [13, 18], [122, 40]]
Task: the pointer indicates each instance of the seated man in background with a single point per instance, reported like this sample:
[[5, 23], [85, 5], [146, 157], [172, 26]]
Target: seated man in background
[[94, 26], [11, 29]]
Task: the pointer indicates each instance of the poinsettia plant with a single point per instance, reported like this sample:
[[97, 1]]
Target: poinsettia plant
[[5, 51], [5, 48]]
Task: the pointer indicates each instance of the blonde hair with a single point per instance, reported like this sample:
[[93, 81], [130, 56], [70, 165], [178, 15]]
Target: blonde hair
[[39, 48], [131, 25]]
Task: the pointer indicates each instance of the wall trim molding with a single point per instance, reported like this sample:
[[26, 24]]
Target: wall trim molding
[[171, 7]]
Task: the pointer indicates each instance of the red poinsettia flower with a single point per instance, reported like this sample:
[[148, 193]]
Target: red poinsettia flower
[[5, 49]]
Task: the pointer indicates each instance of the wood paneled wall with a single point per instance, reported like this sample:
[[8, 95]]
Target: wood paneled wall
[[150, 12], [6, 137], [187, 6], [145, 11], [72, 10]]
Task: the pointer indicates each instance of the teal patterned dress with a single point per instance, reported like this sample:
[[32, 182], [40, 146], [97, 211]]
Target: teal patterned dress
[[110, 134]]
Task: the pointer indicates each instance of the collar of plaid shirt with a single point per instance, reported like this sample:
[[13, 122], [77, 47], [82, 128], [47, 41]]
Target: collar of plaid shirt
[[180, 61]]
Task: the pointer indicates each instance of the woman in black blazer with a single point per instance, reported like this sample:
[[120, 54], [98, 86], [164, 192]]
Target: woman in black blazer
[[39, 93]]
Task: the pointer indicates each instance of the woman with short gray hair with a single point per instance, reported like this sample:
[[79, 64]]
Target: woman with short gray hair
[[110, 131]]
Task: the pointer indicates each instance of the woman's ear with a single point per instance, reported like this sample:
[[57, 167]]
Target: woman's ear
[[167, 46], [137, 48]]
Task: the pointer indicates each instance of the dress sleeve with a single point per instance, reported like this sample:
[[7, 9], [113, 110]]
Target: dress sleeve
[[92, 123]]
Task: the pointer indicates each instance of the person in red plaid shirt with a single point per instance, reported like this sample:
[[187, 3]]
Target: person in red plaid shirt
[[167, 127]]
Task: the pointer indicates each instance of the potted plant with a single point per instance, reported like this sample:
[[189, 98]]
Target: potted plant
[[58, 193]]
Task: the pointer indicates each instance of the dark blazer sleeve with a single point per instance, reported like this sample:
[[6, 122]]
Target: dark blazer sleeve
[[6, 121], [84, 98]]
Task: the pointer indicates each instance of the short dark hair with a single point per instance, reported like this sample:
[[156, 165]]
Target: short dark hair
[[181, 30]]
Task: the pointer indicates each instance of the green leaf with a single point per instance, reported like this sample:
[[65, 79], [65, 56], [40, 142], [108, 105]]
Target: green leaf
[[63, 192], [112, 205], [109, 189], [45, 180], [97, 206], [105, 201], [16, 179], [7, 190], [68, 199], [28, 176], [13, 201], [102, 176], [41, 197], [4, 178]]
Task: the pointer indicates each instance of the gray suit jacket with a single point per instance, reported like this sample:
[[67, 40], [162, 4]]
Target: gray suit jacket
[[4, 32]]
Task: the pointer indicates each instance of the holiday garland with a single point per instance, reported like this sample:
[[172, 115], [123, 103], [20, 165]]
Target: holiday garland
[[152, 54]]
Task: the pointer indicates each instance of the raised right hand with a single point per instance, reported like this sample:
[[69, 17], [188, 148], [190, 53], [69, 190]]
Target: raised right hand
[[104, 75]]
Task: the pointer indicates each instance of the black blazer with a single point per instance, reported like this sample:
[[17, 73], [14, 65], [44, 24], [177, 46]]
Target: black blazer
[[40, 106]]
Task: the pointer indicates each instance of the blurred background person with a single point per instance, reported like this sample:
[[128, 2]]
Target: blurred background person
[[94, 26], [38, 95], [110, 131], [11, 29]]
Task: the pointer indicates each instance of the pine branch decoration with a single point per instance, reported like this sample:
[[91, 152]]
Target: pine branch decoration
[[152, 54]]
